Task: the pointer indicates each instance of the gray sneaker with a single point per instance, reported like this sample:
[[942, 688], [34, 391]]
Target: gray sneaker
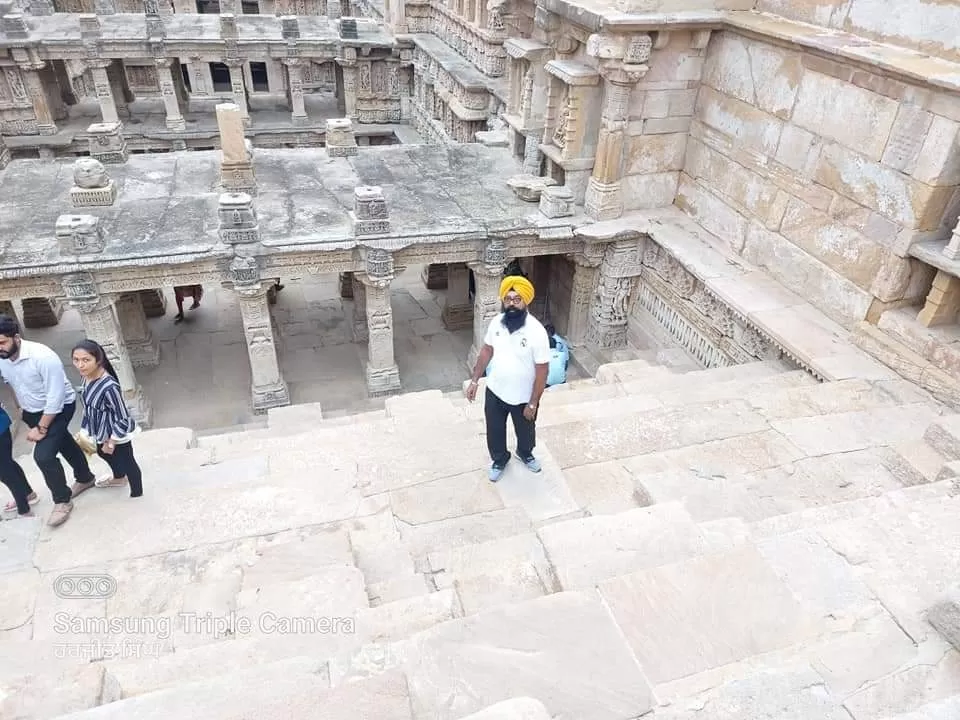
[[61, 511]]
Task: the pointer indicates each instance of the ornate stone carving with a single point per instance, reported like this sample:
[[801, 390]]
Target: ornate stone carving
[[238, 219], [107, 143], [369, 215], [557, 202], [92, 185], [638, 51], [244, 271], [379, 265], [80, 286], [79, 235]]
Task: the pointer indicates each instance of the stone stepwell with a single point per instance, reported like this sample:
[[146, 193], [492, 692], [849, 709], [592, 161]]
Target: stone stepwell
[[723, 544]]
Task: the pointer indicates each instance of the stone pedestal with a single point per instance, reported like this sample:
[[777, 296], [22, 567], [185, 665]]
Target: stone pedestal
[[457, 309], [340, 139], [92, 186], [434, 276], [154, 303], [79, 235], [268, 388], [346, 285], [107, 143], [41, 312], [143, 348], [359, 294], [943, 301], [557, 202], [100, 323], [369, 215], [236, 162]]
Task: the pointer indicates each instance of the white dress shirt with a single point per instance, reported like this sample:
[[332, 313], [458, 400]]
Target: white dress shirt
[[38, 379]]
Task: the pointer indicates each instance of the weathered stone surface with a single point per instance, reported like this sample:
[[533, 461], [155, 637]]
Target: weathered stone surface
[[445, 498], [516, 709], [748, 125], [854, 117], [689, 617], [605, 488], [712, 213], [63, 694], [586, 551], [945, 617], [655, 153], [542, 495], [470, 529], [547, 649]]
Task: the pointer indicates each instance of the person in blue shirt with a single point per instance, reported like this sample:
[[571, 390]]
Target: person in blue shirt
[[11, 473], [559, 358]]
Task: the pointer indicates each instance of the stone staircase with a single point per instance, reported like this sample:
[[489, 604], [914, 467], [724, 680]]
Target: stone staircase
[[741, 542]]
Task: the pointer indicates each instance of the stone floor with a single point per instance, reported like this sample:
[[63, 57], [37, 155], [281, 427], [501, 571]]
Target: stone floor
[[203, 378]]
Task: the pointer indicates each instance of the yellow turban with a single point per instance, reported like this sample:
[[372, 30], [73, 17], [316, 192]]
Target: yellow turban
[[520, 285]]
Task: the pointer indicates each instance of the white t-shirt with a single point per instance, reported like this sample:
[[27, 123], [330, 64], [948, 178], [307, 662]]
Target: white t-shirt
[[515, 355]]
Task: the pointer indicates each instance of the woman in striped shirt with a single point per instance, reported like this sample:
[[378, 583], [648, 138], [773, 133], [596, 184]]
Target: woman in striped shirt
[[106, 418]]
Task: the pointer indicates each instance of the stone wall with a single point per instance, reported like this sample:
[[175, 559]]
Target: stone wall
[[661, 110], [926, 25], [821, 173]]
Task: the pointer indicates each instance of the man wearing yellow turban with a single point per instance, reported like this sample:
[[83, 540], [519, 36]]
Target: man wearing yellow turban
[[517, 380]]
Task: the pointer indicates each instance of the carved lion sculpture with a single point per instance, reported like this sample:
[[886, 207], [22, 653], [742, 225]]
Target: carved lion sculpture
[[89, 174]]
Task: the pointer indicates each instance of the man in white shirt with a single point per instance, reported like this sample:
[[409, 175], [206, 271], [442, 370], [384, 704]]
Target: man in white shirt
[[518, 377], [48, 401]]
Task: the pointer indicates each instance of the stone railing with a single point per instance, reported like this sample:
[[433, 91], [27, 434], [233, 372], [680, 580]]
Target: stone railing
[[482, 46]]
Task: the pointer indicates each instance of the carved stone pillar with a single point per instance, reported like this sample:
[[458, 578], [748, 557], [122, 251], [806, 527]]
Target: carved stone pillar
[[348, 66], [168, 89], [140, 342], [100, 323], [295, 84], [41, 312], [4, 154], [603, 199], [237, 87], [359, 294], [608, 312], [457, 309], [268, 387], [101, 81], [33, 83], [582, 293], [383, 376], [943, 301], [487, 276]]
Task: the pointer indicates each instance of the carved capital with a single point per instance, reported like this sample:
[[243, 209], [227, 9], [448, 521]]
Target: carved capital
[[165, 63], [379, 265], [245, 274], [623, 74], [80, 287]]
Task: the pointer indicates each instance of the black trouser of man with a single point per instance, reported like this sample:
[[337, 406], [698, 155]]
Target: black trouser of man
[[12, 474], [496, 411], [59, 440]]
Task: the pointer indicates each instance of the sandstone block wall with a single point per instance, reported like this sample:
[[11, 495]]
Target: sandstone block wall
[[929, 26], [661, 110], [822, 173]]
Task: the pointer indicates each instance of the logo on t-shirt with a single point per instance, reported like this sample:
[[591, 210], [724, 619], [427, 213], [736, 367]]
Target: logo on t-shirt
[[523, 343]]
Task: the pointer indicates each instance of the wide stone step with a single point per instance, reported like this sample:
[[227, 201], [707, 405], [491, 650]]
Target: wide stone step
[[296, 688], [515, 709], [640, 372]]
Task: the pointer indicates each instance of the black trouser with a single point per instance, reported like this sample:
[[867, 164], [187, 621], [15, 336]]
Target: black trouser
[[12, 474], [496, 411], [124, 464], [58, 440]]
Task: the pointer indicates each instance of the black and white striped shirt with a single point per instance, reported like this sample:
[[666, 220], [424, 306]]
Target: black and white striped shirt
[[105, 414]]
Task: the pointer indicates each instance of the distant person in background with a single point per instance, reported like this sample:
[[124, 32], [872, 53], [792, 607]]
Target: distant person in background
[[559, 357], [182, 291], [106, 418]]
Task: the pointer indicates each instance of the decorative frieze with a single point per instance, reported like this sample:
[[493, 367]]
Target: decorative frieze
[[238, 219], [92, 186], [79, 235], [369, 215], [107, 144]]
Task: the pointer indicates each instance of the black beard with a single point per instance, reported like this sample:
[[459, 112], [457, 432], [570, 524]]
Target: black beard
[[7, 355], [513, 319]]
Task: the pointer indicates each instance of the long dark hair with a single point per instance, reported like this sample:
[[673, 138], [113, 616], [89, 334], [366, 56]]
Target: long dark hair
[[99, 354]]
